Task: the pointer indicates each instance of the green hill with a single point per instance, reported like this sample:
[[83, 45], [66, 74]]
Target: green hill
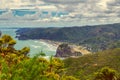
[[94, 38], [85, 67], [17, 65]]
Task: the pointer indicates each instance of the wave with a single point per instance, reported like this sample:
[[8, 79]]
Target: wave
[[36, 41], [35, 46]]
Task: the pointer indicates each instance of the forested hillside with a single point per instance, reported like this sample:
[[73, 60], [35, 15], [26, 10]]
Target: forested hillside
[[85, 67], [17, 65], [95, 38]]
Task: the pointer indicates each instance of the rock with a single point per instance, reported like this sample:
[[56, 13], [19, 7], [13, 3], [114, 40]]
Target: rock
[[65, 50]]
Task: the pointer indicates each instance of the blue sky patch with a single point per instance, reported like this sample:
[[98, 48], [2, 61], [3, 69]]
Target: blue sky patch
[[23, 12], [2, 11]]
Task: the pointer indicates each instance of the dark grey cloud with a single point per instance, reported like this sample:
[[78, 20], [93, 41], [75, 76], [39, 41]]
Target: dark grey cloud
[[66, 5], [33, 1], [114, 3], [65, 1], [113, 8]]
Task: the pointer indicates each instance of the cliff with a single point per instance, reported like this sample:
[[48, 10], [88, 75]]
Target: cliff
[[65, 50]]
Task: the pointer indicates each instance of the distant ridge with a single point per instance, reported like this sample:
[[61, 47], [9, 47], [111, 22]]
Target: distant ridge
[[95, 38]]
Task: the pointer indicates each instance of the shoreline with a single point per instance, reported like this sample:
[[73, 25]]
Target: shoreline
[[53, 43], [73, 46]]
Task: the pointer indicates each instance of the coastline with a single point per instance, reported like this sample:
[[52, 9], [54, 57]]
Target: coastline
[[53, 43], [74, 47]]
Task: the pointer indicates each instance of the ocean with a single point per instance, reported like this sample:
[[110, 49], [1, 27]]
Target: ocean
[[36, 46]]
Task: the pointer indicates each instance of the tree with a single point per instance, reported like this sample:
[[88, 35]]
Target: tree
[[9, 53], [106, 74], [36, 68], [15, 65]]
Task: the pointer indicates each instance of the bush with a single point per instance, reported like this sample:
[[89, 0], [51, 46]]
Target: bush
[[16, 65], [106, 74]]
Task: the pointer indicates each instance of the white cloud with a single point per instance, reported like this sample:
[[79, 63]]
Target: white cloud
[[79, 11], [13, 4], [7, 16]]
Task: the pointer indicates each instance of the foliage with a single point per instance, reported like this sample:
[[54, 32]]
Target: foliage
[[106, 74], [42, 54], [9, 53], [85, 66], [115, 44], [69, 78], [15, 65]]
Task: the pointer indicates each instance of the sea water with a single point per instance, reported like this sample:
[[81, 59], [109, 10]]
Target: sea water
[[36, 46]]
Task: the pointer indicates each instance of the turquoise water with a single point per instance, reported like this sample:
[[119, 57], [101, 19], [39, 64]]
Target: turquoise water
[[36, 46]]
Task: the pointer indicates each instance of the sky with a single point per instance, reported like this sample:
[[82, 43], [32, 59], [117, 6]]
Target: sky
[[55, 13]]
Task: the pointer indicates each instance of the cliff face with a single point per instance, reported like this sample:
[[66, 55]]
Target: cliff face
[[65, 50]]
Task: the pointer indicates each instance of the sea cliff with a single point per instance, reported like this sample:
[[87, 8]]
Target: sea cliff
[[68, 50]]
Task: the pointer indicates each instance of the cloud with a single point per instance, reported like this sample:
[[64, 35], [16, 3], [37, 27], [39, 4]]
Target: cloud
[[7, 15], [75, 12], [65, 1], [16, 4]]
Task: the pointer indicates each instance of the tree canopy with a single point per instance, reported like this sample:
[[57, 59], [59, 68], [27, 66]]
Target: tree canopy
[[16, 65]]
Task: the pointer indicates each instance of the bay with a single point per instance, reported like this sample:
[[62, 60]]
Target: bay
[[36, 46]]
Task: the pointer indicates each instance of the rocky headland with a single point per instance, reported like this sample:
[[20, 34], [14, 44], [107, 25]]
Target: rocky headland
[[64, 50], [68, 50]]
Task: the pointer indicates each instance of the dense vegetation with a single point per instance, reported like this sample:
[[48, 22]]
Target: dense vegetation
[[16, 65], [88, 66], [95, 38]]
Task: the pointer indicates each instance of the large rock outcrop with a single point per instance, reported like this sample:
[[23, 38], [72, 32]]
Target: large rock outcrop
[[65, 50]]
